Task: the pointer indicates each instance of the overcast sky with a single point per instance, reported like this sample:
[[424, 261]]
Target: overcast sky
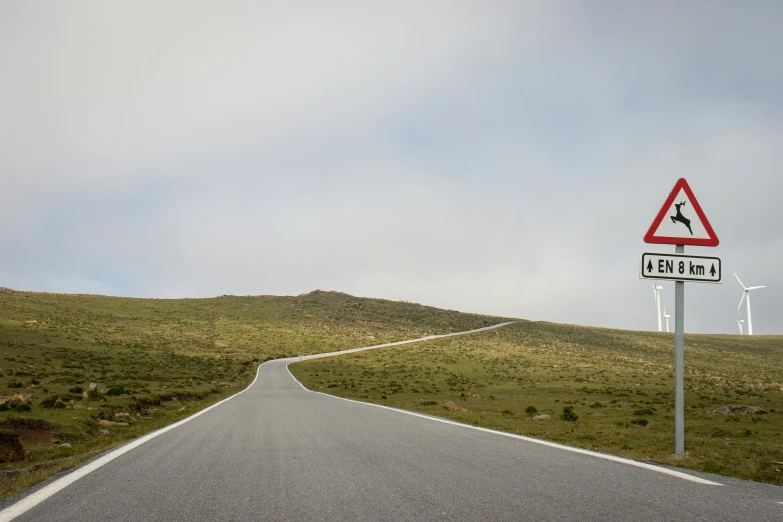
[[496, 157]]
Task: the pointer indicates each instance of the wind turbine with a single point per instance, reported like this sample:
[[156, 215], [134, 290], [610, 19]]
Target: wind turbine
[[666, 316], [657, 293], [739, 323], [745, 294]]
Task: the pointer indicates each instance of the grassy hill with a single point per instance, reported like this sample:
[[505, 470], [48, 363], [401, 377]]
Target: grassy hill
[[81, 373], [618, 387], [90, 372]]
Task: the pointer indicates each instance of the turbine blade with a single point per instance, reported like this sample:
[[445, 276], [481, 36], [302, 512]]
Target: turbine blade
[[755, 287], [738, 279], [743, 298]]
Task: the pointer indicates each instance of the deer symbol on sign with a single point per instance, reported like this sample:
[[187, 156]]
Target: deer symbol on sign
[[682, 219]]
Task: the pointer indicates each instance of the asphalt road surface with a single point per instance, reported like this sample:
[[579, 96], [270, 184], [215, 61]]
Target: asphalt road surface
[[280, 452]]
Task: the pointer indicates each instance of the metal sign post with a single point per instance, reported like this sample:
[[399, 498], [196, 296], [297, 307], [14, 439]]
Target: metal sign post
[[677, 225], [679, 362]]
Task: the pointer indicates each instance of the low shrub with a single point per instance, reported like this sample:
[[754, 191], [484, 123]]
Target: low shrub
[[568, 414], [117, 389], [49, 401], [14, 406], [30, 424], [95, 395]]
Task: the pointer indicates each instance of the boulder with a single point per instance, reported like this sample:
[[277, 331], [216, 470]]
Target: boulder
[[10, 448], [542, 416], [453, 406], [58, 404], [65, 445], [22, 398], [18, 401]]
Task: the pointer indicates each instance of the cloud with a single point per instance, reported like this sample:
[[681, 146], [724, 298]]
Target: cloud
[[504, 158]]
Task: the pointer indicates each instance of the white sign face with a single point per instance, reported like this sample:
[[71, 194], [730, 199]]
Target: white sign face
[[680, 267], [681, 220]]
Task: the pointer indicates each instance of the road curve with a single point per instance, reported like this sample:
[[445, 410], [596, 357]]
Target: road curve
[[280, 452]]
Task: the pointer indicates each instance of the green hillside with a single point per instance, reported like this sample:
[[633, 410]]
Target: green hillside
[[82, 373], [618, 386], [153, 361]]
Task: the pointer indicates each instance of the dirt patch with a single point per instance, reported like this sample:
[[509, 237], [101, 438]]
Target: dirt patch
[[33, 431], [28, 436], [740, 410], [10, 448]]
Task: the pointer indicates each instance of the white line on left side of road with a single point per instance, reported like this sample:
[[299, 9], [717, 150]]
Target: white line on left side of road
[[33, 499]]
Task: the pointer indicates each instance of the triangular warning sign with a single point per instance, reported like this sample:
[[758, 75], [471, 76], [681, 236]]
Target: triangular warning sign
[[681, 221]]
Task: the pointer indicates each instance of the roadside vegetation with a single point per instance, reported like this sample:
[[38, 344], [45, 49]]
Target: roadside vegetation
[[82, 373], [600, 389]]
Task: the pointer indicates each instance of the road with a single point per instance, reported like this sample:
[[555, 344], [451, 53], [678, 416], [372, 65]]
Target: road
[[279, 452]]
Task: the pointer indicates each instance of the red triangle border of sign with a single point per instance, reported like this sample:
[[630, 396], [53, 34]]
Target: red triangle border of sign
[[650, 237]]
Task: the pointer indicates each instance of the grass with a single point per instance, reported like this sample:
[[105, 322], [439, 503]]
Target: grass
[[600, 389], [155, 361]]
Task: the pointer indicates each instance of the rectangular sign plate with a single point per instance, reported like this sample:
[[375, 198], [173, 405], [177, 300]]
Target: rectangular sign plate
[[680, 267]]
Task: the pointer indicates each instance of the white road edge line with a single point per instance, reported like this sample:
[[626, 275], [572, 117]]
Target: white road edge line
[[572, 449], [35, 498], [417, 340], [42, 494]]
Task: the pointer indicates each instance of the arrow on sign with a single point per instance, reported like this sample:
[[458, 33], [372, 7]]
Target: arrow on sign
[[712, 270], [650, 267]]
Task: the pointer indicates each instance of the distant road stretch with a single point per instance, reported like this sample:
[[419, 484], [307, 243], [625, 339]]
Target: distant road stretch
[[279, 452]]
